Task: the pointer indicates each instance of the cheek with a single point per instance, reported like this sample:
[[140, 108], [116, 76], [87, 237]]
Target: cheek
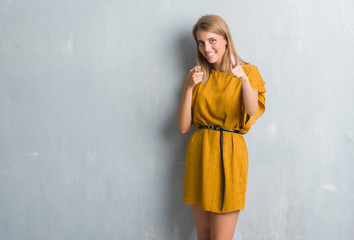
[[223, 48], [200, 49]]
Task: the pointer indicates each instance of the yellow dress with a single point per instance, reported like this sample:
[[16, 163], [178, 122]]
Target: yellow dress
[[219, 101]]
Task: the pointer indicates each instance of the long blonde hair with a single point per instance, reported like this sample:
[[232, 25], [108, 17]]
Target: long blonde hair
[[215, 24]]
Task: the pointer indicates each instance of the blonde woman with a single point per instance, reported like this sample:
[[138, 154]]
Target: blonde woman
[[223, 96]]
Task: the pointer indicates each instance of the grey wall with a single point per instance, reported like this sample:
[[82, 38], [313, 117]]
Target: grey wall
[[89, 92]]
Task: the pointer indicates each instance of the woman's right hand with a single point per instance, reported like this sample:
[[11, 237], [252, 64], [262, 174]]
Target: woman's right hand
[[184, 115], [195, 76]]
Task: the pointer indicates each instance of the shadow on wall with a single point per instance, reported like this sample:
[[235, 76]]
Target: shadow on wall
[[179, 214]]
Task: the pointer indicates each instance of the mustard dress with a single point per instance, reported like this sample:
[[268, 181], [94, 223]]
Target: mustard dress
[[215, 186]]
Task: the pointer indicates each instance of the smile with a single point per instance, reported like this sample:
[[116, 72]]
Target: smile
[[210, 54]]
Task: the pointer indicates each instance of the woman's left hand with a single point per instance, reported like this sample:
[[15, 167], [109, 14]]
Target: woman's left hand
[[237, 69]]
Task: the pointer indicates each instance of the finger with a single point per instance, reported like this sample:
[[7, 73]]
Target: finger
[[197, 68], [194, 69], [233, 63], [237, 62], [196, 79], [199, 75]]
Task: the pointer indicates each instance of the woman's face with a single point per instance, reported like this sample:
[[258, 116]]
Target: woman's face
[[212, 46]]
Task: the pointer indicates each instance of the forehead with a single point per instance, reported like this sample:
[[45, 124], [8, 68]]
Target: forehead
[[204, 35]]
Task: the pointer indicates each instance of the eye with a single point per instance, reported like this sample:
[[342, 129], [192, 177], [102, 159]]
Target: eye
[[200, 43], [212, 40]]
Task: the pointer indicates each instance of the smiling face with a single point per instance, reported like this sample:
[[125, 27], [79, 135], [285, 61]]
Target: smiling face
[[212, 46]]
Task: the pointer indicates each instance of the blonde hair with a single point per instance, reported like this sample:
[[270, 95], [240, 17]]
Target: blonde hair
[[215, 24]]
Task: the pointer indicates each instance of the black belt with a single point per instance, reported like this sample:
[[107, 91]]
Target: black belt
[[218, 128]]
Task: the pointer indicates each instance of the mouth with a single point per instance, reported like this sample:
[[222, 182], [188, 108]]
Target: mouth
[[210, 55]]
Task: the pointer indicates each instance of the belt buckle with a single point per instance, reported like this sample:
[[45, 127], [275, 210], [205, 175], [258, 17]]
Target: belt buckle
[[214, 127]]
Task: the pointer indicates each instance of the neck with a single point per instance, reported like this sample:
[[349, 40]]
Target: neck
[[217, 67]]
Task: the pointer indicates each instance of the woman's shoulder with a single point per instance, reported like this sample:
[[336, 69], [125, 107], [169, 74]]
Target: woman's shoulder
[[248, 66]]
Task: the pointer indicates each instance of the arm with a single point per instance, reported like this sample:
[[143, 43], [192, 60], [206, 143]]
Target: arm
[[184, 115], [250, 96]]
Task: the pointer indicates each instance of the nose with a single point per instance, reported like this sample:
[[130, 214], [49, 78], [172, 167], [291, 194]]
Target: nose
[[207, 47]]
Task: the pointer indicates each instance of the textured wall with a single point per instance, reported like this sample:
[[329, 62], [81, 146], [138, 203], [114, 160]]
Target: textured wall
[[89, 92]]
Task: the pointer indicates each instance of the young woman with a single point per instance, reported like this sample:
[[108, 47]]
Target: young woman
[[222, 96]]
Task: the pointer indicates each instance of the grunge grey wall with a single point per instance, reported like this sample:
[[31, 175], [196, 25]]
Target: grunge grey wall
[[89, 92]]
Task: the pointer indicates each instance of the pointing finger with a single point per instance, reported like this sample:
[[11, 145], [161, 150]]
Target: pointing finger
[[195, 69]]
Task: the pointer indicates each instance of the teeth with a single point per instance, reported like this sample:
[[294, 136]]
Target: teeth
[[210, 54]]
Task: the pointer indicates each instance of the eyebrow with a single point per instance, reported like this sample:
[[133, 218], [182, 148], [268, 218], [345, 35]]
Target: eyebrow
[[207, 39]]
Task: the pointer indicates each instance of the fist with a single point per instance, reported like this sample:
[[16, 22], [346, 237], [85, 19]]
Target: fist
[[195, 76], [237, 69]]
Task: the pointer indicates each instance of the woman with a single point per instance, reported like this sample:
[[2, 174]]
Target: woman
[[222, 96]]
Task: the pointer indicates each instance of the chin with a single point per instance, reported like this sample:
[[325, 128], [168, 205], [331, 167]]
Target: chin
[[211, 61]]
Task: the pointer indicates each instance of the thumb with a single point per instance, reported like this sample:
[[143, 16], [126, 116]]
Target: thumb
[[233, 62], [238, 62]]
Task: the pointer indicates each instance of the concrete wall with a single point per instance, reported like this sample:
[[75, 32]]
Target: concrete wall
[[89, 92]]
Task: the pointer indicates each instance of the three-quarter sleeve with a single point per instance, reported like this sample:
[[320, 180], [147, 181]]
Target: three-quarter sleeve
[[256, 82], [194, 93]]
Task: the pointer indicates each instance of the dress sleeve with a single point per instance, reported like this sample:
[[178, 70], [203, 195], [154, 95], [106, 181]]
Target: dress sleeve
[[194, 93], [256, 82]]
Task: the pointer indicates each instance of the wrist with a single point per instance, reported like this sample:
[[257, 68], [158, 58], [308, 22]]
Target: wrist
[[244, 79], [187, 88]]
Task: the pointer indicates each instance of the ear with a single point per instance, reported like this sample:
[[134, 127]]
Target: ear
[[226, 43]]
